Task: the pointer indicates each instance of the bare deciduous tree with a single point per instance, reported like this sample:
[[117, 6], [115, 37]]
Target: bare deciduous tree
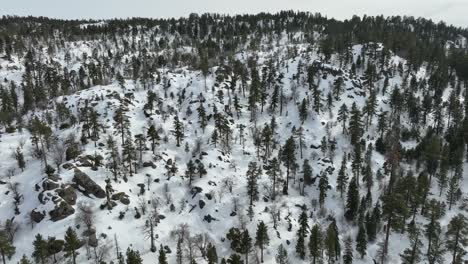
[[86, 216]]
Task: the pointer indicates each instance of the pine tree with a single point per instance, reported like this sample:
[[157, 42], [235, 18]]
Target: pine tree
[[211, 254], [133, 257], [352, 200], [302, 234], [72, 243], [20, 159], [355, 125], [282, 255], [202, 120], [323, 187], [453, 188], [412, 254], [262, 239], [178, 130], [274, 173], [433, 230], [394, 209], [7, 250], [128, 153], [348, 255], [162, 259], [343, 114], [121, 121], [153, 135], [190, 171], [342, 179], [253, 173], [289, 159], [235, 259], [361, 241], [307, 172], [40, 252], [24, 260], [315, 244], [245, 245], [457, 238], [303, 111], [332, 242]]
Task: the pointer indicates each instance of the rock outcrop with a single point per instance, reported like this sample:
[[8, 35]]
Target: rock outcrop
[[85, 182]]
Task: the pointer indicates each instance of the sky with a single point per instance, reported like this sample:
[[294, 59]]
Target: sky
[[451, 11]]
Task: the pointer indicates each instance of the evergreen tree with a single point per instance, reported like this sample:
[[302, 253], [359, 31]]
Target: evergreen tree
[[332, 242], [355, 125], [282, 255], [394, 209], [24, 260], [122, 122], [133, 257], [303, 111], [274, 173], [316, 244], [302, 234], [457, 238], [72, 244], [211, 254], [178, 130], [262, 239], [307, 172], [40, 252], [202, 120], [343, 114], [342, 179], [245, 245], [289, 159], [7, 250], [190, 171], [412, 254], [323, 187], [153, 135], [361, 241], [352, 201], [253, 173], [348, 255], [162, 259]]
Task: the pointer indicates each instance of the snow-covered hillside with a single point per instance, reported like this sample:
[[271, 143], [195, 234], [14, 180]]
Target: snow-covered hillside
[[145, 152]]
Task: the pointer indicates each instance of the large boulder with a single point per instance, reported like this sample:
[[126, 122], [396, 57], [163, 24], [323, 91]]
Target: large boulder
[[62, 211], [84, 181], [122, 197], [68, 194], [48, 185], [37, 216]]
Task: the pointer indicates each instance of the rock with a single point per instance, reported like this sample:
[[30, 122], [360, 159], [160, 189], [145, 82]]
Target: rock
[[84, 181], [62, 211], [201, 204], [233, 214], [209, 218], [37, 216], [92, 240], [125, 200], [122, 197], [167, 250], [48, 185], [147, 164], [68, 166], [68, 194], [84, 162], [196, 190], [208, 196]]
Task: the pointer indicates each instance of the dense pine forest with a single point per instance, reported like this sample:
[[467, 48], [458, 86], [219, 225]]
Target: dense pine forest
[[268, 138]]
